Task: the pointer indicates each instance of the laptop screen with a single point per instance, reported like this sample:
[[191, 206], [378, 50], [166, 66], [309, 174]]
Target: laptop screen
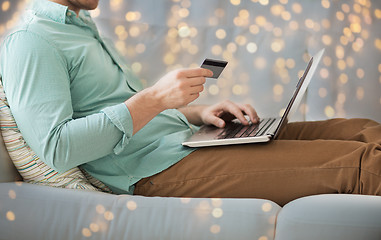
[[301, 88]]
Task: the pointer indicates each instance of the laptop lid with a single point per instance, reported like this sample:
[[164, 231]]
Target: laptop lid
[[301, 88]]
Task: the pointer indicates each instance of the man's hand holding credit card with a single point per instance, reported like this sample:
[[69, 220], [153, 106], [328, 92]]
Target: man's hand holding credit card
[[216, 66]]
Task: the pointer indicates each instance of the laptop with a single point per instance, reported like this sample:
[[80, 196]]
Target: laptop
[[264, 131]]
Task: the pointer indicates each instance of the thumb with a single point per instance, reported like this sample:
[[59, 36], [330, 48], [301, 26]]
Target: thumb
[[216, 121]]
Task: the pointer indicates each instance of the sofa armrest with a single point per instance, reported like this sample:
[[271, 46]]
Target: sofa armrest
[[29, 211], [8, 171]]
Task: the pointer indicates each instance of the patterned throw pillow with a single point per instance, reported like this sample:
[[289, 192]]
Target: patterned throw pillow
[[29, 165]]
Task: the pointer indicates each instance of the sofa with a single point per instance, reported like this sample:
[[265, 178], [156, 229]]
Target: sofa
[[32, 211]]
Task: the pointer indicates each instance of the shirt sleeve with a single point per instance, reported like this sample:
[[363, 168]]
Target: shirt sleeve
[[37, 85]]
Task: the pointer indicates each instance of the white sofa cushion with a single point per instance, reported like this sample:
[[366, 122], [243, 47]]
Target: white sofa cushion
[[43, 212], [331, 216]]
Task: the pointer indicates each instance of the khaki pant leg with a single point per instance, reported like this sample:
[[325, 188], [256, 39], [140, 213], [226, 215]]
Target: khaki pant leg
[[281, 171], [357, 129]]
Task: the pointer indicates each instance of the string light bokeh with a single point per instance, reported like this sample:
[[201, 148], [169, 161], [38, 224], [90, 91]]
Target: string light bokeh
[[267, 44]]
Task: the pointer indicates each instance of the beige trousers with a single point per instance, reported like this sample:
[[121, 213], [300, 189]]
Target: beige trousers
[[333, 156]]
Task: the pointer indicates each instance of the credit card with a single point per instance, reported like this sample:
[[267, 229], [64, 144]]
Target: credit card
[[216, 66]]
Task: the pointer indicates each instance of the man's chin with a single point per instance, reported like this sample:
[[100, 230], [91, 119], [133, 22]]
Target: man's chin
[[89, 4], [93, 6]]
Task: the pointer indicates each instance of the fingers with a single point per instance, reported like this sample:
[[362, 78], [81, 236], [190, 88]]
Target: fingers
[[250, 111], [196, 89], [214, 120], [197, 81], [196, 72], [193, 77], [181, 87], [236, 111]]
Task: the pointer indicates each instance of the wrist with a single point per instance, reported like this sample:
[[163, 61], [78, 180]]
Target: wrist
[[203, 113], [145, 101], [194, 114], [143, 107], [152, 99]]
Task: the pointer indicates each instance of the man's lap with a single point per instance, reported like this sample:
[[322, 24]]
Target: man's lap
[[280, 170]]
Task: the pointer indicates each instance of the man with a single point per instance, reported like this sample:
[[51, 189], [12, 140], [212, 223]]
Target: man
[[77, 104]]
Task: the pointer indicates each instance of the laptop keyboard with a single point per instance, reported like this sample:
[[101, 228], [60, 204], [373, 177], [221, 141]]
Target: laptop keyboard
[[238, 130]]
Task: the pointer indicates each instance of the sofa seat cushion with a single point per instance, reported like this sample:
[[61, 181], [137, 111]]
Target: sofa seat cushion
[[53, 213], [331, 216]]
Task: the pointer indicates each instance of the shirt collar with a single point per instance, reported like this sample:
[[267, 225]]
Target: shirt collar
[[61, 14], [54, 11]]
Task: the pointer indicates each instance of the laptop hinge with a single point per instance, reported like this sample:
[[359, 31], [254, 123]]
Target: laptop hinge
[[271, 131]]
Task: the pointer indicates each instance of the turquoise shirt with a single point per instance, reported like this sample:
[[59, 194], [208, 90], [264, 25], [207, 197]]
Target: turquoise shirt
[[66, 87]]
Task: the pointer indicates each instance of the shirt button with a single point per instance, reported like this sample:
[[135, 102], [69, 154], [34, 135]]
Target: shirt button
[[68, 14]]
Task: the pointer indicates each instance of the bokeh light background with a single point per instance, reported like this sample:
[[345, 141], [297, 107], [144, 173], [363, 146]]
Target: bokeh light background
[[267, 44]]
